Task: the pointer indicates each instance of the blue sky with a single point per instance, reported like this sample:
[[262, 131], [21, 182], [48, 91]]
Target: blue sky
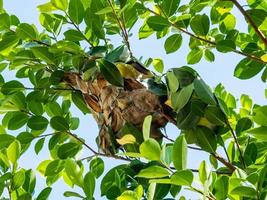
[[220, 71]]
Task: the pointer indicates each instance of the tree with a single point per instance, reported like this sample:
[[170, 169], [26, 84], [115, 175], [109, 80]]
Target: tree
[[72, 62]]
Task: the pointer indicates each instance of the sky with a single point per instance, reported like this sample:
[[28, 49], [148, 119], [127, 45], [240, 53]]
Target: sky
[[220, 71]]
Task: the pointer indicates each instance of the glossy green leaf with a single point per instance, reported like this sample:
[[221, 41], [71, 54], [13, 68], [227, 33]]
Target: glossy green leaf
[[225, 46], [153, 172], [242, 125], [46, 7], [200, 24], [259, 132], [260, 116], [206, 139], [170, 6], [78, 100], [26, 31], [76, 11], [158, 65], [172, 81], [157, 23], [203, 91], [13, 151], [39, 145], [36, 107], [110, 72], [74, 172], [54, 167], [68, 150], [194, 56], [209, 56], [44, 194], [37, 122], [60, 4], [183, 177], [17, 121], [89, 185], [73, 35], [128, 195], [43, 54], [150, 149], [244, 191], [11, 87], [173, 43], [179, 153], [72, 194], [181, 98], [203, 172], [59, 123], [18, 179], [221, 187], [8, 43], [215, 115], [97, 166], [146, 127]]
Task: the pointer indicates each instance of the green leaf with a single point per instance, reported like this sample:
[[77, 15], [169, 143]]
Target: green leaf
[[43, 54], [215, 115], [36, 107], [244, 191], [259, 132], [173, 43], [180, 99], [39, 145], [194, 56], [172, 82], [26, 31], [146, 127], [11, 87], [200, 24], [209, 56], [203, 91], [225, 46], [110, 73], [25, 138], [128, 195], [153, 172], [158, 65], [53, 109], [76, 11], [150, 149], [221, 187], [18, 179], [250, 154], [74, 172], [73, 35], [183, 177], [206, 139], [17, 121], [54, 167], [97, 167], [8, 43], [78, 100], [44, 194], [157, 23], [242, 125], [248, 68], [68, 150], [179, 153], [116, 54], [89, 185], [260, 116], [13, 151], [46, 7], [37, 122], [59, 123], [60, 4], [72, 194], [145, 31], [227, 22], [170, 6], [203, 172]]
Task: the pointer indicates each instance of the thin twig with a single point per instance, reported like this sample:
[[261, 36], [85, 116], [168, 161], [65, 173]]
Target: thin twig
[[225, 162], [250, 56], [250, 21]]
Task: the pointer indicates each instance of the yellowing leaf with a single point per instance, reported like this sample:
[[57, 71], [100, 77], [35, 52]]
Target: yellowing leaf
[[126, 139], [169, 103], [264, 57]]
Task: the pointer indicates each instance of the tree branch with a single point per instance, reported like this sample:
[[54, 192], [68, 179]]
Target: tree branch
[[250, 21]]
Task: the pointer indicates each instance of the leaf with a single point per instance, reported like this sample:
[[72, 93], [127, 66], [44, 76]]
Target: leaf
[[146, 127], [97, 166], [128, 195], [44, 194], [264, 57], [170, 6], [8, 43], [179, 153], [43, 54], [150, 149], [183, 177], [181, 98], [11, 87], [68, 150], [13, 151], [116, 54], [215, 115], [157, 23], [89, 185], [203, 172], [17, 121], [60, 4], [59, 123], [54, 167], [35, 107], [74, 172], [225, 46], [25, 138], [242, 125], [39, 145], [72, 194], [46, 7], [26, 31], [248, 68], [76, 11], [194, 56], [73, 35], [173, 43], [204, 92], [78, 100], [206, 139], [259, 132], [37, 122], [209, 56], [158, 65], [110, 73], [200, 24], [18, 179], [221, 187], [172, 82], [260, 116], [244, 191], [153, 172], [126, 139]]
